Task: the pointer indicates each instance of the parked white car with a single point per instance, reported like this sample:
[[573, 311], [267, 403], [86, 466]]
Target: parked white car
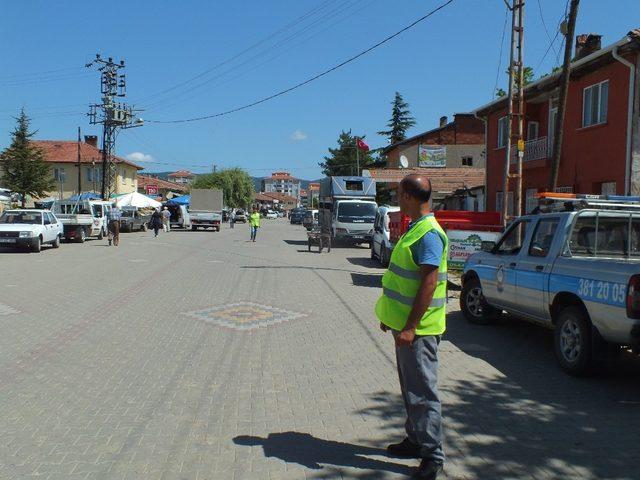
[[30, 229], [381, 246], [271, 214]]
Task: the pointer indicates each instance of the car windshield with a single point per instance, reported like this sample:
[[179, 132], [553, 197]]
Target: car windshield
[[350, 212], [29, 218], [128, 213]]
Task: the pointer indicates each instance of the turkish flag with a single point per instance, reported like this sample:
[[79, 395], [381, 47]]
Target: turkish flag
[[361, 145]]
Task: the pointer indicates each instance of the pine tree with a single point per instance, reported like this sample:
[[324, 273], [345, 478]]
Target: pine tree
[[400, 121], [343, 160], [23, 167]]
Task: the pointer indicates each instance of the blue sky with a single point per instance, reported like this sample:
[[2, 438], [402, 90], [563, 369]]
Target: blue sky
[[447, 64]]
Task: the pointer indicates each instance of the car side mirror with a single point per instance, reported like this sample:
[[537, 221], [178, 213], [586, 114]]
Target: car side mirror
[[487, 246]]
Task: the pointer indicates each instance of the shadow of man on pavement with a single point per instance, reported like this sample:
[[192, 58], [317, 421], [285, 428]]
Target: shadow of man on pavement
[[311, 452]]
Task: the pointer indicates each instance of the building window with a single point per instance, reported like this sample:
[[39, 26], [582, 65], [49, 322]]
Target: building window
[[123, 176], [532, 130], [502, 132], [594, 104], [608, 188], [59, 175], [467, 161]]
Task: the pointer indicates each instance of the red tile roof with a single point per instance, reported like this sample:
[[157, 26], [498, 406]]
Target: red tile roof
[[270, 196], [182, 173], [144, 180], [66, 151], [443, 180]]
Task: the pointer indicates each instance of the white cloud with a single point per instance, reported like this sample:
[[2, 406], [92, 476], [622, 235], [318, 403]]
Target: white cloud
[[299, 136], [140, 157]]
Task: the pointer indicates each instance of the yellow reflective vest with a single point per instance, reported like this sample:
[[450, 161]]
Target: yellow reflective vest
[[402, 280], [254, 220]]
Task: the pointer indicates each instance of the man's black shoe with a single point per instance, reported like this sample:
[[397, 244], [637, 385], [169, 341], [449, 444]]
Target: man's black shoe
[[428, 470], [406, 448]]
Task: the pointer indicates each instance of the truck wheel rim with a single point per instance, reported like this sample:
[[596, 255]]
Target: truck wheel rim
[[474, 301], [570, 340]]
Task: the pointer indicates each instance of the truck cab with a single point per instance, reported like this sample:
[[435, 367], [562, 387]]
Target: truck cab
[[574, 270]]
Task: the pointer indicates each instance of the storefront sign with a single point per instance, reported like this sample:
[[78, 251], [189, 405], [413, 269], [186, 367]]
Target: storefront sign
[[432, 156], [462, 243], [152, 189]]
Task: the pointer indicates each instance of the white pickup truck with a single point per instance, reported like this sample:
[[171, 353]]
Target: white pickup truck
[[575, 269], [82, 218], [29, 229], [205, 208]]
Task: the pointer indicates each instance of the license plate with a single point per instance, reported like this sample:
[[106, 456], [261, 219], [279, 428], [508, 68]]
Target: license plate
[[358, 237], [7, 240]]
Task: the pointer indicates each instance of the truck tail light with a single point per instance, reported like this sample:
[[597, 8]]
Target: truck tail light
[[633, 297]]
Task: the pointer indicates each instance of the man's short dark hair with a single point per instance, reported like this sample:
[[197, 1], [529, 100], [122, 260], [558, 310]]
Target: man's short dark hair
[[417, 187]]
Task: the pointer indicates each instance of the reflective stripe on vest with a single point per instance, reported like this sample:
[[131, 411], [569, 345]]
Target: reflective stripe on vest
[[412, 274], [435, 302]]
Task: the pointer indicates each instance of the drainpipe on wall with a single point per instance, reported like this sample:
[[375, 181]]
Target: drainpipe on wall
[[632, 75], [486, 155]]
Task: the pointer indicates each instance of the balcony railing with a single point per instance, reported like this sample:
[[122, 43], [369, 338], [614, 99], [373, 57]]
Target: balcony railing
[[533, 150]]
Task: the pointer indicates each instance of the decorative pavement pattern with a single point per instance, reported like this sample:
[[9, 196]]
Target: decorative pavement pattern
[[7, 310], [244, 315]]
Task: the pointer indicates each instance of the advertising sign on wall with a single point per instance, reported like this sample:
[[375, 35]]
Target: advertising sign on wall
[[152, 189], [432, 156], [462, 243]]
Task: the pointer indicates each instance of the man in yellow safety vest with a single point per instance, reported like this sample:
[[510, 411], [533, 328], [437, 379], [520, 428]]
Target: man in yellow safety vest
[[412, 306], [254, 223]]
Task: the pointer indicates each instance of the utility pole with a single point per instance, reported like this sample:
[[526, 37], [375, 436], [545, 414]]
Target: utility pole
[[515, 109], [79, 165], [112, 116], [562, 101], [215, 167]]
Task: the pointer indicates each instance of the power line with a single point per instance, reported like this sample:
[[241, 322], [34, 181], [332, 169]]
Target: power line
[[544, 24], [287, 40], [316, 77], [162, 106], [286, 27], [504, 29]]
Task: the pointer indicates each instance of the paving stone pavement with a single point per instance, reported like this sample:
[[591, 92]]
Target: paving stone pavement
[[199, 355]]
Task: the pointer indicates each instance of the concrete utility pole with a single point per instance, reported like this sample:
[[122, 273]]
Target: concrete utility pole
[[515, 109], [112, 116], [79, 165], [562, 101]]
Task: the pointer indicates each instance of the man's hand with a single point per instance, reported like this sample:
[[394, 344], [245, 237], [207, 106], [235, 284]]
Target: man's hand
[[383, 327], [405, 337]]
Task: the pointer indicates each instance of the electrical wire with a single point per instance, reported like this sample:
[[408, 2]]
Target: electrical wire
[[504, 30], [264, 40], [163, 106], [176, 99], [544, 24], [315, 77]]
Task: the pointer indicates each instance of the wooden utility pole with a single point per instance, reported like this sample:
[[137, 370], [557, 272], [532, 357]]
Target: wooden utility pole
[[515, 110], [562, 101]]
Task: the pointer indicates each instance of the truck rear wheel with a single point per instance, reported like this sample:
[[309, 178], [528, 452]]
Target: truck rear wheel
[[572, 341], [473, 304], [81, 235]]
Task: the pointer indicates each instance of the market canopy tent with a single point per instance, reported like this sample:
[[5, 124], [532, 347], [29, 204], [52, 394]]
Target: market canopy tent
[[182, 200], [136, 199]]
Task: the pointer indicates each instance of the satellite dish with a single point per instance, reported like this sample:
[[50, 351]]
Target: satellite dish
[[404, 162]]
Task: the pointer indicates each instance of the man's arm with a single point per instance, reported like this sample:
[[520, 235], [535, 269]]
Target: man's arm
[[428, 284]]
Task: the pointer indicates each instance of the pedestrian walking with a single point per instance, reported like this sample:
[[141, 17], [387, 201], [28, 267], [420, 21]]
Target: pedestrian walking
[[254, 223], [156, 221], [412, 306], [232, 219], [113, 225], [166, 220]]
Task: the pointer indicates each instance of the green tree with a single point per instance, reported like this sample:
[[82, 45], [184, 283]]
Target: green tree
[[344, 159], [23, 167], [400, 121], [235, 183], [527, 75]]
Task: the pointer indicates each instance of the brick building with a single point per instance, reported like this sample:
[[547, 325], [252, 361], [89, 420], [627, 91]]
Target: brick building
[[601, 144]]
